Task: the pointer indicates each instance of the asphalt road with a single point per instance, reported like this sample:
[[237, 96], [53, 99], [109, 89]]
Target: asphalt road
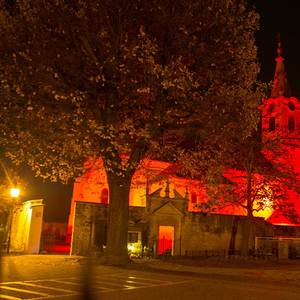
[[72, 279]]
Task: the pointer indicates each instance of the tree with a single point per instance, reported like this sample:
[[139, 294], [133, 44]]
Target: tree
[[89, 79], [259, 178]]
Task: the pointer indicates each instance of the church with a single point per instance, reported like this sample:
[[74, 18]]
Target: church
[[165, 215]]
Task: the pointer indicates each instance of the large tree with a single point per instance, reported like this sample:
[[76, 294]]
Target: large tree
[[89, 79], [259, 179]]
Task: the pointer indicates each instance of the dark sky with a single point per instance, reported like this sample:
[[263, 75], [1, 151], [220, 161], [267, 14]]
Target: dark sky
[[277, 16], [56, 196]]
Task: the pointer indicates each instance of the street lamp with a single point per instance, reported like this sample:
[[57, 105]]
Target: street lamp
[[14, 192], [14, 195]]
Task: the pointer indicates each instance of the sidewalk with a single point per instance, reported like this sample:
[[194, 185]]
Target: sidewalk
[[40, 259], [283, 271], [287, 271]]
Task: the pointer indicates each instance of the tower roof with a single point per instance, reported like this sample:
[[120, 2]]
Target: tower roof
[[280, 84]]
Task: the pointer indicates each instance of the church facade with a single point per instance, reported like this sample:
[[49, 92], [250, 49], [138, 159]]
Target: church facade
[[164, 209]]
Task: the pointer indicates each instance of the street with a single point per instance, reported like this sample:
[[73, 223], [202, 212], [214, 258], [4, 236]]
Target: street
[[58, 278]]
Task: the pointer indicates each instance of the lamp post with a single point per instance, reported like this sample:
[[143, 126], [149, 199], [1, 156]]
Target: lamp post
[[14, 193]]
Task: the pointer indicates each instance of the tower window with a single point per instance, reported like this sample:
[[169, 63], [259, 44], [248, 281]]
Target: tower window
[[271, 108], [272, 124], [104, 196], [194, 198], [291, 106], [291, 124]]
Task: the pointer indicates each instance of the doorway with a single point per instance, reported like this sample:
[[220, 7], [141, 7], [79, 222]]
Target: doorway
[[165, 240]]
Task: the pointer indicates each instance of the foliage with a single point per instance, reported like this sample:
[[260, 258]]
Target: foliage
[[101, 78], [260, 181], [161, 79]]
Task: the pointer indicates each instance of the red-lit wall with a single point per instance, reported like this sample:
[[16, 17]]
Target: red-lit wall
[[90, 187], [93, 187], [285, 135]]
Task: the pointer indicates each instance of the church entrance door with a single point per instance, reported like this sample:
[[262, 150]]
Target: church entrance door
[[165, 240]]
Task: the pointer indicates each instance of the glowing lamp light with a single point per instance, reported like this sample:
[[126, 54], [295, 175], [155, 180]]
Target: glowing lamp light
[[14, 192], [130, 247]]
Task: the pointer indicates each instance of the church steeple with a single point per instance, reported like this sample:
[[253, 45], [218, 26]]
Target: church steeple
[[280, 84]]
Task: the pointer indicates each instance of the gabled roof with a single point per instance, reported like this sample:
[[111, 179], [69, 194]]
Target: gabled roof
[[156, 193], [167, 207]]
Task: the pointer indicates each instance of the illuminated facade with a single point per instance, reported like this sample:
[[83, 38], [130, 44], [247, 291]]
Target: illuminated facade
[[281, 123], [169, 215], [26, 227]]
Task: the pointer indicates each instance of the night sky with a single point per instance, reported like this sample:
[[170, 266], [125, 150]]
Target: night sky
[[277, 16], [282, 17], [56, 196]]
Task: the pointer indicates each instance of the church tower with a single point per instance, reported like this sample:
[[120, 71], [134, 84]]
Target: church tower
[[281, 113], [281, 134]]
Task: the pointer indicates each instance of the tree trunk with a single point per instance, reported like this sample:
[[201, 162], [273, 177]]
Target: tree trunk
[[116, 250], [246, 236], [234, 228], [249, 219]]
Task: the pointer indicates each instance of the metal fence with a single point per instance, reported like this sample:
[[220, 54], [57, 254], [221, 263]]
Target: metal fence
[[281, 247]]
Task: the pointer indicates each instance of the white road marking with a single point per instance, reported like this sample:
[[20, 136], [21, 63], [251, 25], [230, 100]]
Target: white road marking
[[113, 284], [55, 296], [43, 286], [120, 283], [75, 283], [134, 277], [23, 291], [102, 283], [136, 282], [9, 297], [65, 282], [111, 279]]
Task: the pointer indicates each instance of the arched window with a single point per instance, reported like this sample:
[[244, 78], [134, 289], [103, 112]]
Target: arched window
[[291, 106], [104, 196], [272, 124], [194, 198], [271, 108], [291, 124]]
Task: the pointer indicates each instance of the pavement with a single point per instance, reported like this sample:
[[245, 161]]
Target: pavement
[[275, 270], [287, 271], [67, 277]]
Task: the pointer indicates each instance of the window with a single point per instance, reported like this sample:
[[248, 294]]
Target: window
[[100, 233], [272, 124], [291, 124], [194, 198], [133, 237], [291, 106], [271, 108], [104, 196]]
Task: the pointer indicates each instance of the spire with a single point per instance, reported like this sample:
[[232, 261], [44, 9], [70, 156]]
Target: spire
[[280, 84]]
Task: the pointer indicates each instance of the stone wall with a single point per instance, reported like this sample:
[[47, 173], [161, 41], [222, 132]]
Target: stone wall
[[90, 226], [87, 217], [193, 232], [215, 233], [201, 233]]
